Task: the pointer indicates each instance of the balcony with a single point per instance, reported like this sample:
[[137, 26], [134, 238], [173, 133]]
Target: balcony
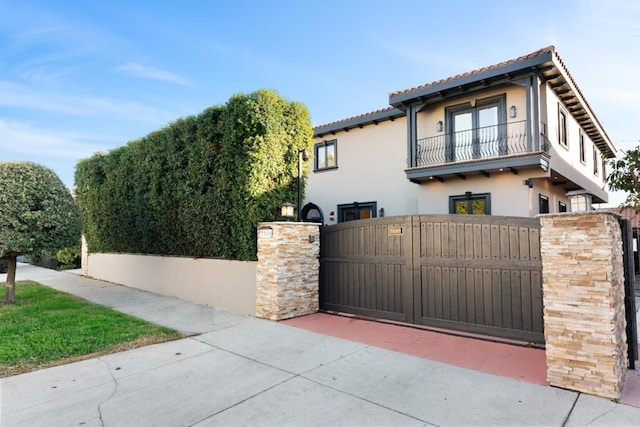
[[479, 150]]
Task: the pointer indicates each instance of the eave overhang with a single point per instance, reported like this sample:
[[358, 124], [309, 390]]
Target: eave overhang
[[485, 167], [574, 180], [374, 118]]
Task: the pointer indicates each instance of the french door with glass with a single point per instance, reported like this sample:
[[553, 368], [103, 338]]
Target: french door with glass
[[476, 132]]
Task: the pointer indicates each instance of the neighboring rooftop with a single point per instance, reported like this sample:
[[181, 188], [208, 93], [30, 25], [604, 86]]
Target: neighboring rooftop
[[628, 214]]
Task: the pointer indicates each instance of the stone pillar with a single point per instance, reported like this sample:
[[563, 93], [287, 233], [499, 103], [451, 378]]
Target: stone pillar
[[583, 295], [287, 270], [84, 256]]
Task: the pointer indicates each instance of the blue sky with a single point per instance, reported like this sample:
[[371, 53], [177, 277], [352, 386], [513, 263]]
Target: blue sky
[[77, 77]]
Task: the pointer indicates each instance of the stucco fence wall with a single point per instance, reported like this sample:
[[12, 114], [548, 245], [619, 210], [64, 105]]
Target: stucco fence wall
[[283, 283], [229, 285]]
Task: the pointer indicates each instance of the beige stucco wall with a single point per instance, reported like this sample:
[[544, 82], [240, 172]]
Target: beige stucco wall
[[509, 196], [372, 160], [555, 193], [371, 164], [229, 285], [427, 118], [571, 154]]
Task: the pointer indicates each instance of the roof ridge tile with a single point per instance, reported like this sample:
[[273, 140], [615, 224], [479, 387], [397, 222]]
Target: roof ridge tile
[[359, 116], [480, 70]]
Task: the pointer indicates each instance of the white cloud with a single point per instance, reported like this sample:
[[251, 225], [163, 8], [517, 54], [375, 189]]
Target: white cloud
[[151, 73], [19, 140], [16, 95]]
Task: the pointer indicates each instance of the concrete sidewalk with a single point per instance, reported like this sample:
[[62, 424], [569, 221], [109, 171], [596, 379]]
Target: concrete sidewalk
[[240, 370]]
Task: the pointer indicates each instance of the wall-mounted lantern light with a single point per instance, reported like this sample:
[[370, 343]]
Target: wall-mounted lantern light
[[580, 200], [332, 216], [512, 111], [439, 126], [286, 211]]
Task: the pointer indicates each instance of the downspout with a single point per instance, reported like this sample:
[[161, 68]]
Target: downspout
[[536, 112], [529, 121], [412, 137]]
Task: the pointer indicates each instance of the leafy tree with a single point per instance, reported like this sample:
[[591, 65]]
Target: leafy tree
[[37, 214], [625, 176], [69, 256]]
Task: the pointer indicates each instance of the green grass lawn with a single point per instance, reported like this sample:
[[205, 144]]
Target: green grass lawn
[[46, 328]]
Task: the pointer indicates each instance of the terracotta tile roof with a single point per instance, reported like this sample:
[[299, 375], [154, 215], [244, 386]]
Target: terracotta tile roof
[[479, 70], [628, 214], [359, 117]]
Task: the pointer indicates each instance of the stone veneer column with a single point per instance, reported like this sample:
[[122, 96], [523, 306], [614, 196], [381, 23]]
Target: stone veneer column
[[287, 270], [583, 294]]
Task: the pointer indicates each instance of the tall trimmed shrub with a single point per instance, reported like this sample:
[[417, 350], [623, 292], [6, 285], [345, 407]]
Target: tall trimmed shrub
[[200, 186]]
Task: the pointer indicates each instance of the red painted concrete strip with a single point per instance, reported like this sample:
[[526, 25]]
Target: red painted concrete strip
[[521, 363]]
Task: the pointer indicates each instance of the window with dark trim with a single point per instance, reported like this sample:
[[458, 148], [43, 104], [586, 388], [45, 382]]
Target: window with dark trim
[[583, 156], [325, 155], [357, 210], [604, 169], [562, 207], [470, 204], [562, 127], [595, 161], [544, 204]]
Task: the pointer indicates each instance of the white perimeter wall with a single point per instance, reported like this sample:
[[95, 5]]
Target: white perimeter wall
[[224, 284]]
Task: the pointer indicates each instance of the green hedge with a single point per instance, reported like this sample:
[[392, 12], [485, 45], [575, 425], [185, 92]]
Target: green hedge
[[199, 186]]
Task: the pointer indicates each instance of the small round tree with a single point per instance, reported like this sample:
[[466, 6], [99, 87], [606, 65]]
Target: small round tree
[[37, 214]]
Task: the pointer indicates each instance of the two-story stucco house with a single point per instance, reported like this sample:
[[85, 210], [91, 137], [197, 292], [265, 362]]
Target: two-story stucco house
[[509, 139]]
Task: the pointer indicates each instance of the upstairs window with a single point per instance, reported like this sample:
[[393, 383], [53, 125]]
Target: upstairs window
[[325, 154], [583, 156], [595, 161], [562, 127]]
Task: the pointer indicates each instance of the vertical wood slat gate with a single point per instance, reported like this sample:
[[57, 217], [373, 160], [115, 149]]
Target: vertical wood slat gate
[[479, 274]]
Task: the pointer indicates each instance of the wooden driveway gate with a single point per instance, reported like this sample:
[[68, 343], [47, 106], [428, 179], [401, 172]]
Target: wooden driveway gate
[[480, 274]]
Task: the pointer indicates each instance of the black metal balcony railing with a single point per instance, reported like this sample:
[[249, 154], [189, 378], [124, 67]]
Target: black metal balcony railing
[[477, 143]]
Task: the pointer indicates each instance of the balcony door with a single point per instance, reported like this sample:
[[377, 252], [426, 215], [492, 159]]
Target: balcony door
[[476, 132]]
